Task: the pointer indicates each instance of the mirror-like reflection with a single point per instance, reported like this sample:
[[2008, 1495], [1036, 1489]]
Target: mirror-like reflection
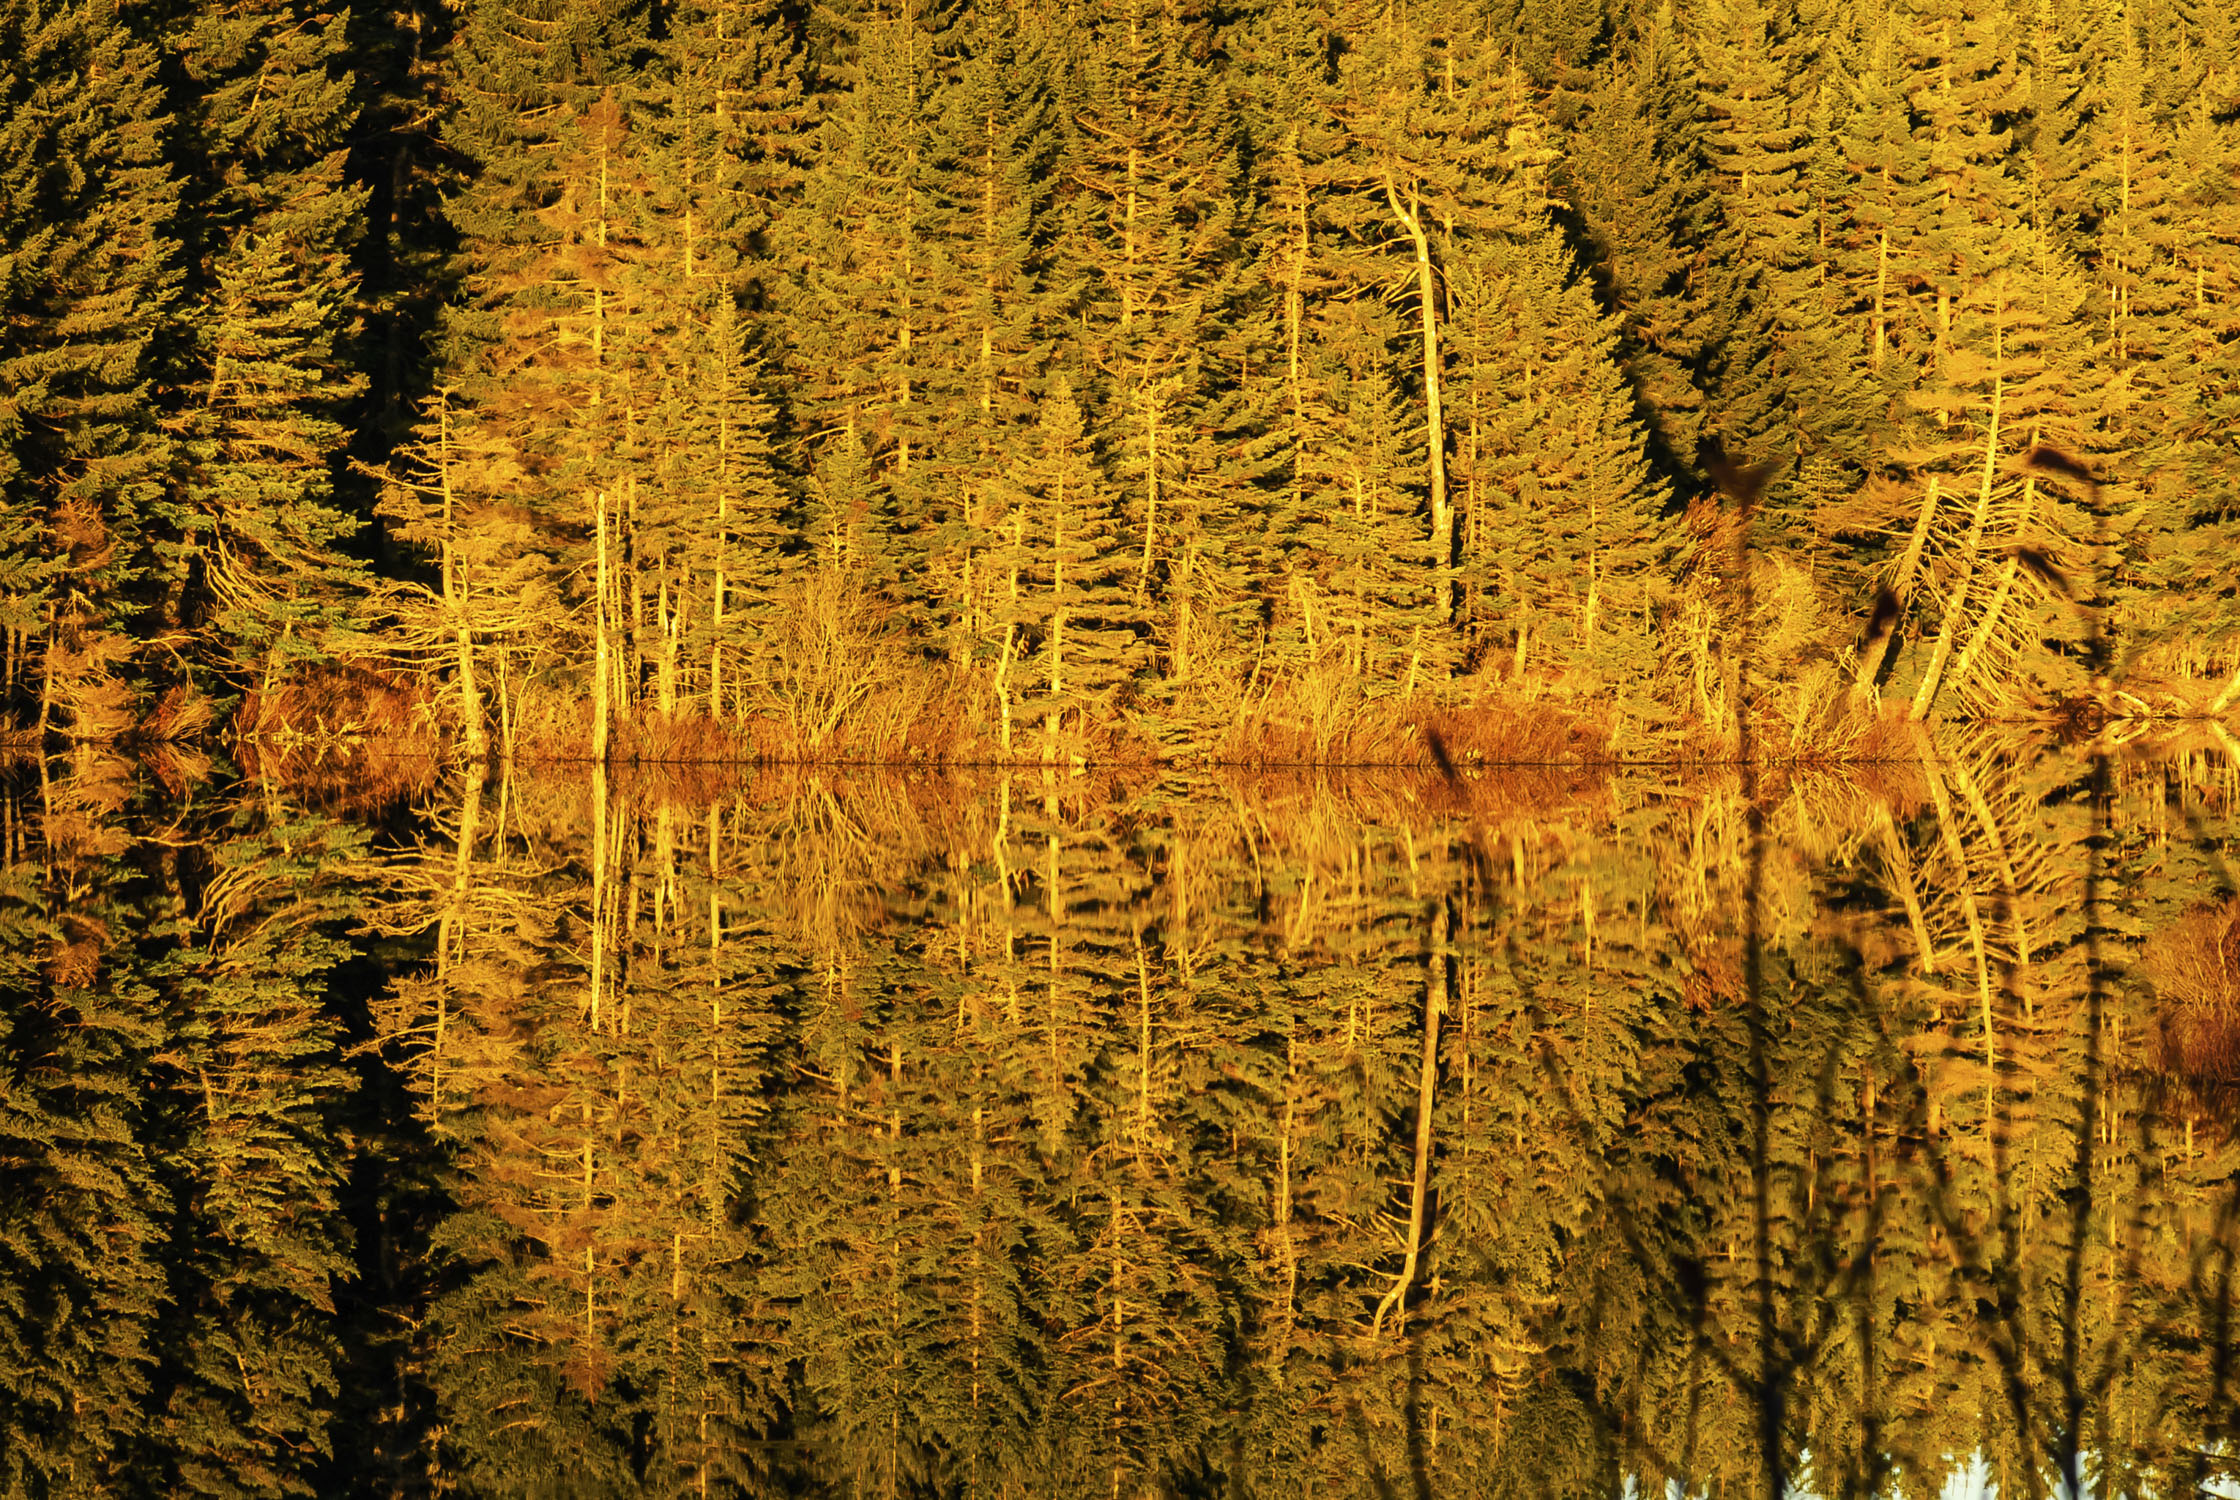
[[856, 1133]]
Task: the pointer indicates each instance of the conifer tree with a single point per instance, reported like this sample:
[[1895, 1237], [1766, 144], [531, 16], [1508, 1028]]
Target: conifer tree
[[1424, 170], [251, 1085], [1563, 537], [88, 213], [543, 115], [1152, 234], [255, 542], [718, 511], [1363, 583], [994, 307], [1635, 174], [1078, 600], [82, 1214], [860, 291], [1779, 379]]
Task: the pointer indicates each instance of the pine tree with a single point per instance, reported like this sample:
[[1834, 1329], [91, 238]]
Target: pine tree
[[1424, 116], [1564, 541], [1079, 603], [1635, 174], [82, 1214], [1363, 584], [716, 508], [2163, 216], [251, 1085], [543, 114], [1152, 232], [254, 545], [1778, 376], [88, 213], [861, 284], [995, 307]]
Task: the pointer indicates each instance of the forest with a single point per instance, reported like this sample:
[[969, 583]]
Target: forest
[[1288, 380], [1024, 748]]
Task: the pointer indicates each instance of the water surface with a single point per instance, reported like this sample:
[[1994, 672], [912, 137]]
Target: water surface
[[861, 1133]]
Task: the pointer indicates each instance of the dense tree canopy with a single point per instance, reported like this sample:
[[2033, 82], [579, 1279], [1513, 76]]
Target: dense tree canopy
[[1077, 385], [1203, 383]]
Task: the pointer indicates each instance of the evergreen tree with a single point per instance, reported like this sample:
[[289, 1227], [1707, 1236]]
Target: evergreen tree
[[994, 307], [252, 1085], [1636, 175], [88, 213], [254, 543], [1152, 233], [1564, 541], [1079, 604]]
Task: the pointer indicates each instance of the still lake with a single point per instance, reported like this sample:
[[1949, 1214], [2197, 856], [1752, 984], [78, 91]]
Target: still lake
[[369, 1130]]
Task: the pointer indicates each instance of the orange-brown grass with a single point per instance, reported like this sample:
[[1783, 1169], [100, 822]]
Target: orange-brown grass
[[677, 739], [1887, 736], [340, 701], [80, 811], [2194, 965], [74, 957], [1789, 729], [933, 717], [2196, 1054], [1294, 726], [177, 767], [344, 737], [680, 786], [2200, 1047], [1501, 730], [2195, 961], [180, 714]]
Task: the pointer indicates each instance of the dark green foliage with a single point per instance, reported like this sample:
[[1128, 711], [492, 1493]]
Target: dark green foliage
[[86, 281]]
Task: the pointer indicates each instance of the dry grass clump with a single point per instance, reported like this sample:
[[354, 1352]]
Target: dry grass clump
[[688, 787], [2194, 965], [180, 714], [1293, 726], [676, 739], [81, 811], [2195, 961], [344, 737], [2200, 1047], [343, 701], [1499, 729], [91, 699], [74, 962]]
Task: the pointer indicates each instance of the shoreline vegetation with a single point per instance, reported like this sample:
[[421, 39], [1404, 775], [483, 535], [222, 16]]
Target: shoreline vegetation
[[1307, 381], [337, 712]]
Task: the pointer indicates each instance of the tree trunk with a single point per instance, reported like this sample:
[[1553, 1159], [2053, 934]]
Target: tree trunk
[[449, 932], [455, 603], [1435, 423], [1925, 696], [598, 888], [601, 667], [1151, 490], [715, 592], [1052, 714]]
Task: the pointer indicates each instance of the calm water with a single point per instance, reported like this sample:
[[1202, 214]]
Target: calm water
[[1371, 1134]]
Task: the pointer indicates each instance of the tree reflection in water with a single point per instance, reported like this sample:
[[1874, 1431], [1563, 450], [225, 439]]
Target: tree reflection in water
[[1127, 1133]]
